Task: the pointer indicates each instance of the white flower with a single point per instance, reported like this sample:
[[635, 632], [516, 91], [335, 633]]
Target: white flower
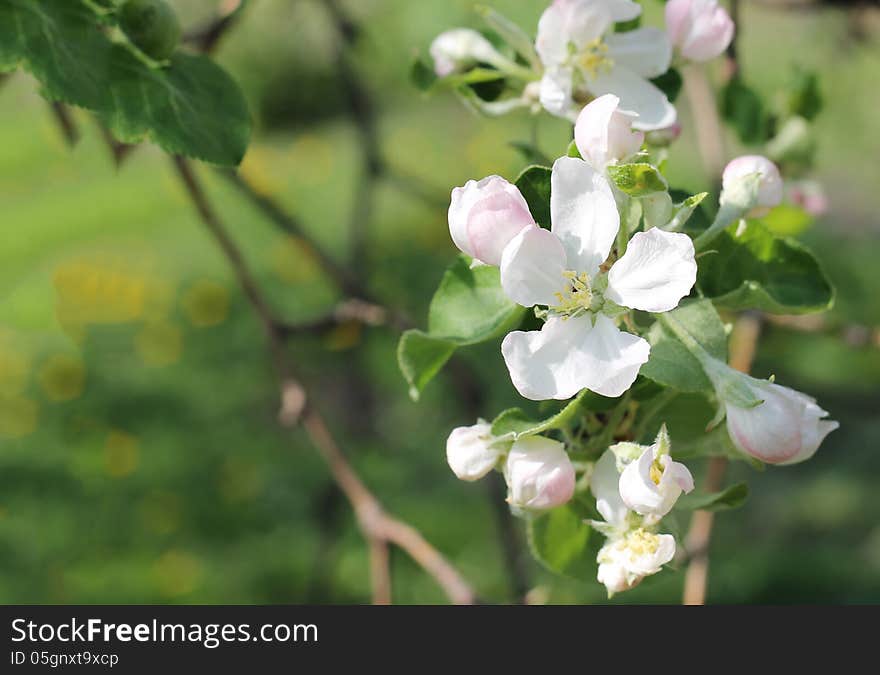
[[472, 452], [484, 216], [604, 484], [459, 48], [699, 29], [736, 184], [652, 484], [579, 346], [603, 133], [626, 560], [539, 474], [786, 428], [582, 58]]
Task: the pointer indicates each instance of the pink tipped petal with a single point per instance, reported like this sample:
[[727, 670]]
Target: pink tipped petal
[[604, 134], [637, 95], [493, 222], [656, 272]]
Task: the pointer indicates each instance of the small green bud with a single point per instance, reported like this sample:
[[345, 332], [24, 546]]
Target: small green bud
[[152, 26]]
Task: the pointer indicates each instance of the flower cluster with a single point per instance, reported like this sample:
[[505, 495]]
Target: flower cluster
[[635, 486], [602, 256]]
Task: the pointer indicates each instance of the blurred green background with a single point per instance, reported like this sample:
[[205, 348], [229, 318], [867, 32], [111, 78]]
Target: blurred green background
[[139, 457]]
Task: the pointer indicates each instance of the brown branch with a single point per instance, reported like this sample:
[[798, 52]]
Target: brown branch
[[380, 572], [377, 526], [743, 343], [704, 114]]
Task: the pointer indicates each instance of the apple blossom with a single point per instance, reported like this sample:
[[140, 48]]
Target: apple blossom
[[459, 48], [539, 474], [472, 451], [580, 346], [626, 560], [810, 196], [485, 215], [699, 30], [736, 184], [583, 58], [603, 132], [651, 484], [604, 484]]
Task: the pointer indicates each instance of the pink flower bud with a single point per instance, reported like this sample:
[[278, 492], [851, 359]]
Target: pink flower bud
[[603, 133], [539, 474], [770, 185], [785, 429], [699, 29], [484, 216]]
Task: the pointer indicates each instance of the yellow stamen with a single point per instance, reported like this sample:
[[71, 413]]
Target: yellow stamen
[[593, 59], [577, 296]]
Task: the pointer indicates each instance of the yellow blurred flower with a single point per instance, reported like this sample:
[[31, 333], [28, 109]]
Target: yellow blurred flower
[[206, 303], [159, 343], [121, 454], [63, 377], [18, 415], [177, 573]]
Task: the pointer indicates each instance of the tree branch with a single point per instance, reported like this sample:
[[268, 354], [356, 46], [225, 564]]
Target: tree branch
[[378, 527], [743, 343], [207, 37]]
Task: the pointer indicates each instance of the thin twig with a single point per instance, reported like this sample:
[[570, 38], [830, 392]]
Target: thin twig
[[707, 123], [380, 572], [207, 37], [743, 343], [375, 524], [65, 122]]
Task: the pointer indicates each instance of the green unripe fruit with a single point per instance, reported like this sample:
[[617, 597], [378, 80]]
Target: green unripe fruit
[[152, 26]]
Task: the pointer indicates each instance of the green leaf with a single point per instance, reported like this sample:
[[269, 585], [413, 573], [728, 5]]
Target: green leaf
[[515, 421], [534, 184], [729, 498], [191, 107], [530, 153], [421, 357], [681, 213], [573, 151], [512, 34], [670, 362], [59, 43], [743, 108], [788, 220], [468, 307], [637, 180], [421, 74], [560, 540], [753, 269], [804, 95], [669, 83]]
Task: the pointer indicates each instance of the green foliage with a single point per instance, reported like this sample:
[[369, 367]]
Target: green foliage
[[670, 362], [804, 97], [469, 307], [560, 540], [669, 83], [534, 184], [637, 180], [744, 110], [753, 269], [515, 421], [152, 26], [730, 498], [191, 107], [529, 152], [511, 33]]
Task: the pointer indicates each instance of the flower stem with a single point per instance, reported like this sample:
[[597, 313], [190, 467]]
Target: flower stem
[[726, 215]]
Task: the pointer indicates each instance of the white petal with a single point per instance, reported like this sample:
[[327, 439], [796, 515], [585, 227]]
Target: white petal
[[656, 272], [604, 486], [623, 10], [637, 489], [680, 475], [470, 452], [637, 95], [583, 213], [570, 354], [574, 22], [555, 92], [645, 51], [531, 267]]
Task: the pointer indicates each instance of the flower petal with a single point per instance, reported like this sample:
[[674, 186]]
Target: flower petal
[[637, 489], [604, 483], [583, 213], [637, 95], [645, 51], [531, 267], [555, 92], [656, 272], [604, 134], [570, 354], [574, 22]]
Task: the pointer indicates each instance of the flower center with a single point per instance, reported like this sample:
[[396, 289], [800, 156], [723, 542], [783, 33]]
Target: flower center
[[593, 58], [641, 542], [656, 471], [577, 295]]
